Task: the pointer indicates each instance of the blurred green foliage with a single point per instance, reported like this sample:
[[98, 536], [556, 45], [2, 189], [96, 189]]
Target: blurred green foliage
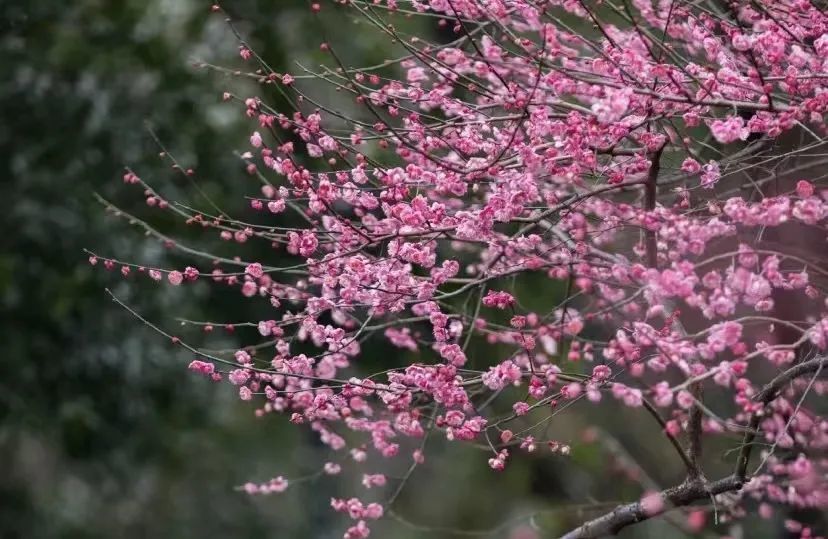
[[103, 432]]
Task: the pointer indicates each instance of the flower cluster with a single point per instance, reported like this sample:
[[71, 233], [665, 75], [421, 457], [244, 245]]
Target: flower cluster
[[637, 182]]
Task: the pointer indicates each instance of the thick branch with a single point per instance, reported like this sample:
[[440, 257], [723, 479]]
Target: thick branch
[[624, 515], [696, 488], [694, 427], [694, 430], [650, 195]]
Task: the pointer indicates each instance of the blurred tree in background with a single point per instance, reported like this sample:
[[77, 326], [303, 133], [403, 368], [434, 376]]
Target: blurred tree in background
[[103, 433]]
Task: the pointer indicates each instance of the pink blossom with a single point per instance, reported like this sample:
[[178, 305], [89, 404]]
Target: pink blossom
[[652, 503], [303, 244], [249, 289], [175, 278], [375, 480], [499, 300], [804, 188], [601, 372], [691, 166], [202, 367], [710, 175], [254, 270], [453, 354], [613, 107], [190, 273], [729, 130], [520, 408], [276, 206], [239, 376], [685, 399]]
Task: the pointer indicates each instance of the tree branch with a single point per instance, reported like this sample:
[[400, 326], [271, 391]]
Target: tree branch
[[696, 488], [694, 431], [688, 463], [678, 496], [765, 396], [650, 196]]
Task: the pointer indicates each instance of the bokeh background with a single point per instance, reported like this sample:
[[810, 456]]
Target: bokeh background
[[103, 432]]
